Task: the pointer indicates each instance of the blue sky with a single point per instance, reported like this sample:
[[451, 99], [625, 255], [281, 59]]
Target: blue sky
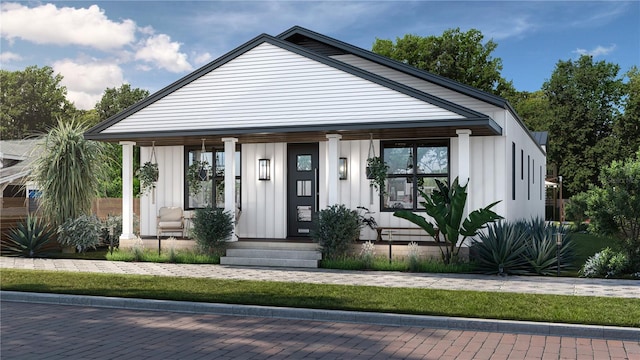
[[150, 44]]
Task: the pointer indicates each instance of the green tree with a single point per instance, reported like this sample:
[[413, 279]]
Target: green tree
[[585, 98], [614, 207], [457, 55], [113, 101], [30, 101], [626, 129], [446, 207], [68, 172], [533, 108]]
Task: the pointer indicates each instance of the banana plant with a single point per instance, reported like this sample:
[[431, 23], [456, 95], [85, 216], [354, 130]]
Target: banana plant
[[446, 207]]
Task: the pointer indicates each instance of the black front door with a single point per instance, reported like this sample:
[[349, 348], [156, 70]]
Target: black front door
[[302, 193]]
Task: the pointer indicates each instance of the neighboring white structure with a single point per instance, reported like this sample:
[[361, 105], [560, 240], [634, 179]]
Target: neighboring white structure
[[303, 107]]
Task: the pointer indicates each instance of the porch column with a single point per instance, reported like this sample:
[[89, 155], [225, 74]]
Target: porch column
[[464, 156], [230, 180], [127, 190], [333, 152]]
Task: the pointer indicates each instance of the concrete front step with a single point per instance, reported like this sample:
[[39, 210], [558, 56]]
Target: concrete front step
[[280, 245], [277, 254]]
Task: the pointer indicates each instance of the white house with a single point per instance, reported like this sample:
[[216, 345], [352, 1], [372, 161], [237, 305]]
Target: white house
[[312, 106]]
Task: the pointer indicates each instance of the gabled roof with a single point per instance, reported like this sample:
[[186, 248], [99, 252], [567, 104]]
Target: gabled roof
[[327, 45], [336, 47], [340, 47], [16, 156]]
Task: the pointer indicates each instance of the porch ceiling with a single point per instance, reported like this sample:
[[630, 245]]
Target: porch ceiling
[[482, 128]]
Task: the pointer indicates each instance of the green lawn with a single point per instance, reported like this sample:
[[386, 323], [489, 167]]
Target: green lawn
[[588, 244], [475, 304]]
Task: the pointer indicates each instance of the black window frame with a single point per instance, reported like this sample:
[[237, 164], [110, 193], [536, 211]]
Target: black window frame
[[414, 176], [216, 179]]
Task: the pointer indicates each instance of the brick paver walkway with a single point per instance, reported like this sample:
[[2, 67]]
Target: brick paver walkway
[[39, 331]]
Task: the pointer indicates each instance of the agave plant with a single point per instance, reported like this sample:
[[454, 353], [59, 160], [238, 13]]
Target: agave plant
[[500, 250], [29, 238], [542, 251], [446, 207]]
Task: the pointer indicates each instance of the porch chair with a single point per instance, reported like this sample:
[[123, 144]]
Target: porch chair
[[170, 219]]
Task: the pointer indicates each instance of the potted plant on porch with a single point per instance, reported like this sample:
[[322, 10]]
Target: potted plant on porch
[[148, 176], [376, 169], [377, 173]]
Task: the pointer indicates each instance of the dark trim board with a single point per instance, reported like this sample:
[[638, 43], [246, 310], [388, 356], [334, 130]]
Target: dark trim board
[[479, 127]]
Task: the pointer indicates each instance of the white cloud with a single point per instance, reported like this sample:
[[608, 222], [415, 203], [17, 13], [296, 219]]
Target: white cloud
[[202, 58], [48, 24], [597, 51], [86, 80], [6, 57], [160, 51]]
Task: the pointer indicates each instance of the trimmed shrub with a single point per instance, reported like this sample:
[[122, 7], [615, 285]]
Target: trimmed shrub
[[110, 231], [212, 228], [82, 232], [29, 238], [606, 264], [335, 229]]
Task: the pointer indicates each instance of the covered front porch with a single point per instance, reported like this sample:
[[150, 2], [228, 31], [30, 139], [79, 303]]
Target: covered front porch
[[267, 208]]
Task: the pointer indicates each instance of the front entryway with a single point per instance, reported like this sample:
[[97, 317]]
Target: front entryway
[[302, 193]]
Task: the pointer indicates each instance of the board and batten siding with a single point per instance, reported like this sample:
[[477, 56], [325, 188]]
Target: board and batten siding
[[264, 203], [422, 85], [529, 180], [269, 87], [169, 188]]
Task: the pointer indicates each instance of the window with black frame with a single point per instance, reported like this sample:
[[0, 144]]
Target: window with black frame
[[413, 165], [204, 183]]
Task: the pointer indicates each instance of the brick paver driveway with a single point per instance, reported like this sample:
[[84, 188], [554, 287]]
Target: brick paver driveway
[[43, 331]]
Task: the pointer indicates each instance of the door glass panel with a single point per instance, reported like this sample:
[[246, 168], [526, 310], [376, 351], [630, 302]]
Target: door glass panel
[[304, 163], [304, 213], [304, 188]]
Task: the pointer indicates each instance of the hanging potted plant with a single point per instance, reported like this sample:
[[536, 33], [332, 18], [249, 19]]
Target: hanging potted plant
[[376, 169], [198, 171], [148, 176], [148, 173], [377, 173], [196, 174]]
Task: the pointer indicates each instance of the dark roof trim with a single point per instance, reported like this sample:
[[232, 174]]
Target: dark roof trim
[[541, 137], [383, 60], [463, 111], [463, 123], [425, 75], [176, 85]]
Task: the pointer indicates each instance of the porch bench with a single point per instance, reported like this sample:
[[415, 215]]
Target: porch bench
[[392, 231]]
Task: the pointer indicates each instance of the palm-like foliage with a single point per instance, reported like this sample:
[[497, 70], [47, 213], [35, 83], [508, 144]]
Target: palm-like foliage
[[68, 170], [446, 207], [28, 238]]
